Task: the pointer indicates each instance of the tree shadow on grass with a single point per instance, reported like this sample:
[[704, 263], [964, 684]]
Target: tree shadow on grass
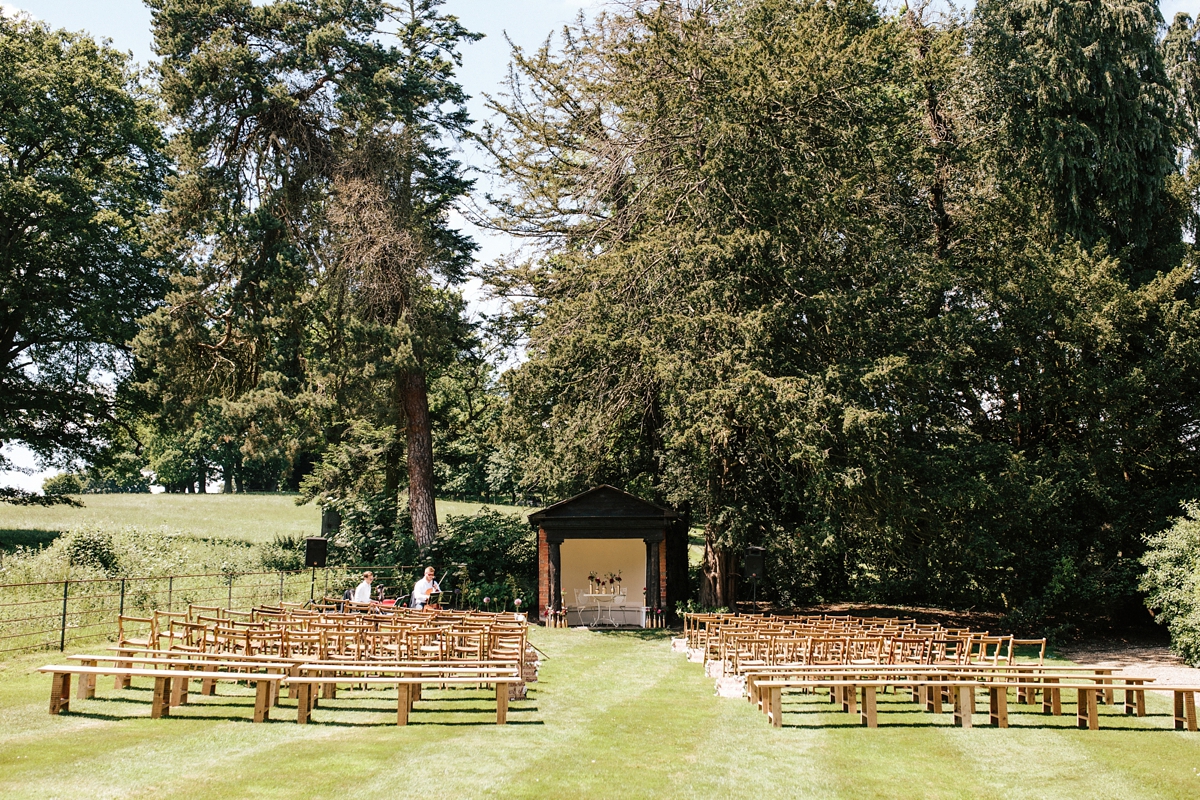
[[334, 723], [448, 724], [132, 717], [645, 634], [12, 538]]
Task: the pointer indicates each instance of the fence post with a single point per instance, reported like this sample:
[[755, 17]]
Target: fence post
[[122, 611], [281, 588], [170, 590], [62, 635], [229, 603]]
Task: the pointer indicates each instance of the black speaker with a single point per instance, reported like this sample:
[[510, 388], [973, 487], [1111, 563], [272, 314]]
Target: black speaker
[[331, 522], [752, 565], [316, 550]]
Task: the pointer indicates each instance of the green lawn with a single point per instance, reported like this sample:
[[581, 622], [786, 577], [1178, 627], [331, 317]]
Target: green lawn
[[615, 715], [253, 517]]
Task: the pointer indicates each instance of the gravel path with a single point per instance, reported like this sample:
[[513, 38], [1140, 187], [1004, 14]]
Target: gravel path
[[1152, 660]]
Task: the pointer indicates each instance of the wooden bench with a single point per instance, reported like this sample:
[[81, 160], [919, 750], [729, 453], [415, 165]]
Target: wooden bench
[[1032, 677], [1185, 705], [179, 689], [408, 679], [160, 705], [962, 689]]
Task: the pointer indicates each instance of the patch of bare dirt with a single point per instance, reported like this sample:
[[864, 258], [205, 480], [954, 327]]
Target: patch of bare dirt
[[1152, 659]]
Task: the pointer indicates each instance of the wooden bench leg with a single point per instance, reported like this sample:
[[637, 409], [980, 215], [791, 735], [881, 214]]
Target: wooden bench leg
[[1086, 714], [403, 704], [160, 704], [965, 705], [935, 699], [208, 686], [850, 699], [1051, 698], [87, 683], [1185, 711], [262, 700], [177, 692], [869, 717], [501, 703], [776, 714], [303, 707], [60, 692], [998, 706]]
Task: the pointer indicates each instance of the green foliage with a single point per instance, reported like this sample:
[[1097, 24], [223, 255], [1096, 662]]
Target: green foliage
[[284, 553], [91, 549], [494, 555], [102, 552], [1079, 93], [1172, 581], [118, 472], [795, 280], [375, 531], [63, 483], [20, 497], [81, 166], [313, 262]]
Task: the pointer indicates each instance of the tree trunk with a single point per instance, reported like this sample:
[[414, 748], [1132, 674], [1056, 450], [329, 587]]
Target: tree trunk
[[228, 471], [419, 433], [718, 582]]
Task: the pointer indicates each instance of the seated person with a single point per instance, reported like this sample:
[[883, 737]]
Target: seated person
[[423, 588]]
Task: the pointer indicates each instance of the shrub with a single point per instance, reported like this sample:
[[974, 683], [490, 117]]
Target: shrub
[[374, 531], [495, 555], [1172, 581], [63, 483], [93, 549], [120, 474], [284, 553]]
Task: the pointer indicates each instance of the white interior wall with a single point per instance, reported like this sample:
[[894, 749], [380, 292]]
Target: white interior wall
[[579, 557]]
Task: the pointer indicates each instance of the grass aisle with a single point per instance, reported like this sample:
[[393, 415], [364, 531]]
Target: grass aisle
[[615, 715]]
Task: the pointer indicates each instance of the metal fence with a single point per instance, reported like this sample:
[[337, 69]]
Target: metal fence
[[48, 615]]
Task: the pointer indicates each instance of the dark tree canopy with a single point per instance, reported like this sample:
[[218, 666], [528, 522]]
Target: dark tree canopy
[[903, 300]]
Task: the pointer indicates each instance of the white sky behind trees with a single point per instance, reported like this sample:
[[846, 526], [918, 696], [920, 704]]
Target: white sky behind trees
[[526, 22]]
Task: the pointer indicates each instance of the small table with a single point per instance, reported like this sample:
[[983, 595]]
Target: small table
[[604, 605]]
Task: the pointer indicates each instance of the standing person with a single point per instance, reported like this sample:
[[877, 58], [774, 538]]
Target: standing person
[[362, 594], [423, 588]]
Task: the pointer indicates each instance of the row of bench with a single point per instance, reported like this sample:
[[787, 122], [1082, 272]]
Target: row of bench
[[172, 676]]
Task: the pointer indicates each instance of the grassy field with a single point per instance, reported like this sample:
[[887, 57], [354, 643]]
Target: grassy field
[[255, 517], [614, 715]]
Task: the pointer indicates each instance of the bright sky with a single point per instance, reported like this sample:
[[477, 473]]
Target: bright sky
[[525, 22]]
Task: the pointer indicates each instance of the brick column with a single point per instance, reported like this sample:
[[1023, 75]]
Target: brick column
[[543, 574], [662, 574]]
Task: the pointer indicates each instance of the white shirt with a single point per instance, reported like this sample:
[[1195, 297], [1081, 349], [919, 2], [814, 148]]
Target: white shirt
[[363, 593], [420, 593]]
